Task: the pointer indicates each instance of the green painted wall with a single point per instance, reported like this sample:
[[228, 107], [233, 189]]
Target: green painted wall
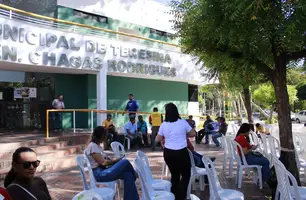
[[149, 94], [79, 92], [113, 24]]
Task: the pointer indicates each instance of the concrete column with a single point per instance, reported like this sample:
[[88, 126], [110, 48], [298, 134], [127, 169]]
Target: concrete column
[[101, 94]]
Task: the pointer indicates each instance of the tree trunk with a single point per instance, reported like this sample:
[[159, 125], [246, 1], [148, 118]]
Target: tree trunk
[[279, 82], [212, 106], [247, 104]]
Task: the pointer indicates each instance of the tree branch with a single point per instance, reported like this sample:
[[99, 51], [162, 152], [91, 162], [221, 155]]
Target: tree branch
[[296, 55]]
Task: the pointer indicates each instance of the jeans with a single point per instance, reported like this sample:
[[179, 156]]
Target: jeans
[[198, 159], [57, 120], [264, 162], [179, 165], [200, 135], [215, 138], [155, 130], [121, 170]]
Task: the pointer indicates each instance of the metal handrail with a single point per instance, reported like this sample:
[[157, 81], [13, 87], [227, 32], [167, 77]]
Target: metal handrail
[[34, 17], [92, 111]]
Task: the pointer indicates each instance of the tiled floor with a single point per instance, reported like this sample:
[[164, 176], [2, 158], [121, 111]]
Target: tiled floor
[[64, 185]]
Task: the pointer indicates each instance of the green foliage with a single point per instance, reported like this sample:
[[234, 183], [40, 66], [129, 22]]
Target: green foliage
[[301, 91], [265, 95], [295, 76]]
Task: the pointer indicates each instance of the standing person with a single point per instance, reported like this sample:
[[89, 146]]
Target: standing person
[[203, 131], [143, 129], [222, 131], [57, 117], [155, 119], [175, 130], [106, 169], [132, 106], [21, 182]]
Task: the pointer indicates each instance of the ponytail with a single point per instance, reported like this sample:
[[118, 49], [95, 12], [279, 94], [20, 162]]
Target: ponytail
[[9, 178]]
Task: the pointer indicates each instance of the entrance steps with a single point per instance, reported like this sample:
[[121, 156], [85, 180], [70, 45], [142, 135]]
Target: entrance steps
[[55, 153]]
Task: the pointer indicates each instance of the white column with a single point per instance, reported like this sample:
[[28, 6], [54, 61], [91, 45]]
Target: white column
[[101, 94]]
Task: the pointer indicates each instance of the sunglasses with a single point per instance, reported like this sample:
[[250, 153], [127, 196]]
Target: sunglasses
[[27, 165]]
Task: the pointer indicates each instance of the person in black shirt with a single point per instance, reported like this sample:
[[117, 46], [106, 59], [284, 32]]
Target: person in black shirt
[[203, 131], [20, 181]]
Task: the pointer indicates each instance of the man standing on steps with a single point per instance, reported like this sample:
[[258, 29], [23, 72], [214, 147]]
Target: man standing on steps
[[155, 119], [132, 106], [57, 117]]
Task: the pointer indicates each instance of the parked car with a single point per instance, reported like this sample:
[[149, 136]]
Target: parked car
[[301, 116]]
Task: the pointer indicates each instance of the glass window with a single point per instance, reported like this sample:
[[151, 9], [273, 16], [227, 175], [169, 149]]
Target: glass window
[[193, 93], [301, 113], [90, 16]]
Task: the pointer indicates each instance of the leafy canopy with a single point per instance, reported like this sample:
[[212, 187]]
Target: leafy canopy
[[265, 95]]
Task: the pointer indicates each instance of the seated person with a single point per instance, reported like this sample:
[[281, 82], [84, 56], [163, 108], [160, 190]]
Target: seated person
[[106, 169], [109, 126], [211, 128], [247, 148], [132, 132], [262, 129], [191, 122], [143, 129], [21, 182], [203, 131], [222, 130]]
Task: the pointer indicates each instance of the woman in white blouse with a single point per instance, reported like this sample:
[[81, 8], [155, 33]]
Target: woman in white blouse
[[108, 169], [175, 130]]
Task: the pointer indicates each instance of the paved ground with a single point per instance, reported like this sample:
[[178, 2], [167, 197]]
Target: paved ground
[[63, 185]]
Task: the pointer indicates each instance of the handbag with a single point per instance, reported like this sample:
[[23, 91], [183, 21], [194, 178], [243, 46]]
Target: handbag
[[257, 154], [27, 191]]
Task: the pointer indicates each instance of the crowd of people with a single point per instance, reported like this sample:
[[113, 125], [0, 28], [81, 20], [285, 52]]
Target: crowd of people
[[173, 133]]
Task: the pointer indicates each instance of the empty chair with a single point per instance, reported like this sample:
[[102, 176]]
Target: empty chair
[[287, 187], [87, 195], [298, 143], [215, 189], [242, 164], [118, 149], [148, 193], [194, 197], [274, 145], [195, 172], [105, 193], [228, 155], [157, 184]]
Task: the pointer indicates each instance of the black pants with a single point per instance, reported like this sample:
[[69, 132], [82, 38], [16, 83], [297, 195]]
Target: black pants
[[200, 135], [179, 165]]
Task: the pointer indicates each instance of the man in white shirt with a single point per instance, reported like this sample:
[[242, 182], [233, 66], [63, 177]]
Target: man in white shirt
[[131, 131], [57, 117]]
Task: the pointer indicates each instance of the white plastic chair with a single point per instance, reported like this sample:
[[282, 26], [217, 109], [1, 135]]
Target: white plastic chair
[[118, 150], [165, 170], [215, 189], [195, 172], [194, 197], [242, 164], [228, 156], [266, 146], [274, 146], [87, 195], [299, 143], [257, 141], [94, 182], [157, 184], [148, 193], [235, 128], [105, 193], [128, 140], [284, 191]]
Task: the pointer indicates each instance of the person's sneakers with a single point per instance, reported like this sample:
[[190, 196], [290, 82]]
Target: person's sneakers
[[206, 143], [217, 145]]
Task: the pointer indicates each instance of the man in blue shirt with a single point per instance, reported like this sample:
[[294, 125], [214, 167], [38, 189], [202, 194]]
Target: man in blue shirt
[[132, 132], [143, 129], [132, 106]]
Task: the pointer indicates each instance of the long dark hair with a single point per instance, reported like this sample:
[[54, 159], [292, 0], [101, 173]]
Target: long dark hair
[[172, 114], [98, 135], [11, 176], [244, 128]]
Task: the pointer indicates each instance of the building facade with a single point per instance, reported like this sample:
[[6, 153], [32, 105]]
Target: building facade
[[91, 68]]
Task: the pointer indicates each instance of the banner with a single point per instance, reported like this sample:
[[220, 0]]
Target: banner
[[25, 92]]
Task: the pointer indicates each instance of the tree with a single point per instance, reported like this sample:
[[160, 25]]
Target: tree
[[262, 35], [301, 91]]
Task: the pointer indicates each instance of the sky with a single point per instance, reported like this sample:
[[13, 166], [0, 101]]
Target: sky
[[163, 1]]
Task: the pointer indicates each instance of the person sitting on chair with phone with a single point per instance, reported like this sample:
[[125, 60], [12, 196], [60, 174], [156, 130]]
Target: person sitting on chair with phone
[[252, 157], [106, 169]]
